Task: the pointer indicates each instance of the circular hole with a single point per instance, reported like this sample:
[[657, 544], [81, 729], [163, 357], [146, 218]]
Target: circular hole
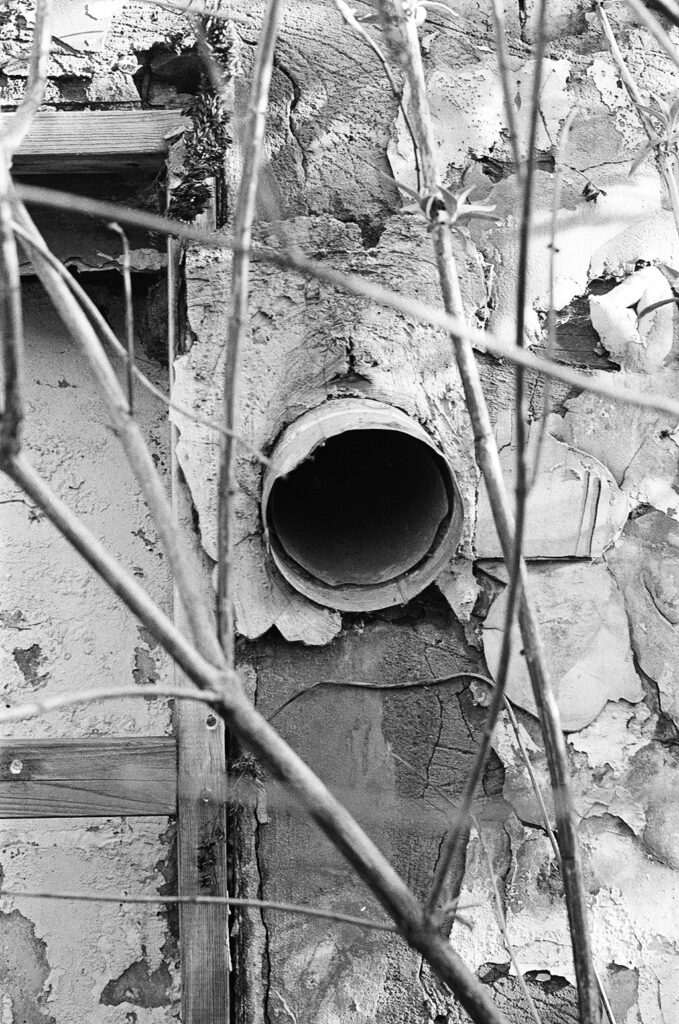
[[211, 722], [364, 508]]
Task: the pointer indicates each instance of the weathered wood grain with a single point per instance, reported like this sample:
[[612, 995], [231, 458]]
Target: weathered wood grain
[[201, 800], [98, 776], [85, 140]]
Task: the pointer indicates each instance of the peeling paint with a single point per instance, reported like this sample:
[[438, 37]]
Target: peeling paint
[[24, 972], [574, 509], [645, 344], [586, 637]]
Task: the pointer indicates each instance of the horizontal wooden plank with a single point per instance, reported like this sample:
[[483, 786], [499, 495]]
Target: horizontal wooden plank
[[82, 140], [97, 776]]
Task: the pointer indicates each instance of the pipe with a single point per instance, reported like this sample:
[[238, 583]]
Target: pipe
[[362, 510]]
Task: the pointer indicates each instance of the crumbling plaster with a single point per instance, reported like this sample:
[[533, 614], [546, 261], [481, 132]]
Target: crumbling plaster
[[61, 630], [599, 465], [336, 128]]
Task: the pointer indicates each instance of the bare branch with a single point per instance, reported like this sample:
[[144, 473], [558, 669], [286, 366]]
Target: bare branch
[[487, 456], [107, 335], [360, 30], [34, 708], [451, 850], [356, 285], [559, 166], [226, 901], [502, 922], [253, 140], [185, 573], [11, 327], [503, 67], [129, 315], [666, 164], [549, 830]]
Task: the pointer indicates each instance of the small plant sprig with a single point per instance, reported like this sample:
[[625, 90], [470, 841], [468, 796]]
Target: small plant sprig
[[666, 141], [416, 9], [208, 137], [446, 207]]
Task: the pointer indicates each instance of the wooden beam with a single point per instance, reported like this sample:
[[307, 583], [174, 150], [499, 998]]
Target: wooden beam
[[201, 791], [98, 777], [95, 140]]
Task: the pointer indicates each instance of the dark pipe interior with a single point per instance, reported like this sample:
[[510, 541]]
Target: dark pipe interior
[[364, 508]]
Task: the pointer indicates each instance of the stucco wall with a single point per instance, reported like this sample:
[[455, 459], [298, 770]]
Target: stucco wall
[[602, 535], [61, 630]]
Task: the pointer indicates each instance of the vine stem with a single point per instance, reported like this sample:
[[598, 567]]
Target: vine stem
[[253, 141], [666, 164], [488, 458], [256, 733], [353, 284], [225, 901], [107, 335]]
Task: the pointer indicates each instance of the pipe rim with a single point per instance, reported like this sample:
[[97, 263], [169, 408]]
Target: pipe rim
[[297, 444]]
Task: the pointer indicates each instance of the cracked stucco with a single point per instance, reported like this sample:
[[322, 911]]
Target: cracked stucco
[[49, 646], [334, 129], [600, 464]]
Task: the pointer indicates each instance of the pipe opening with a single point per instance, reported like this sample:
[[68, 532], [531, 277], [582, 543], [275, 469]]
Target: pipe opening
[[367, 512], [362, 509]]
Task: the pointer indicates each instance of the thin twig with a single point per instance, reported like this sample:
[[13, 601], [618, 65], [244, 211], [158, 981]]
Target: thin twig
[[255, 732], [11, 325], [559, 167], [226, 901], [410, 684], [108, 336], [488, 458], [11, 317], [502, 56], [353, 284], [550, 832], [22, 712], [129, 314], [185, 571], [457, 836], [204, 10], [253, 140], [360, 30], [666, 166], [502, 922], [452, 909]]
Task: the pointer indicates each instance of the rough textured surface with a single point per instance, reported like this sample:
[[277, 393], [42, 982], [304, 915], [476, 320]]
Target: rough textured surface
[[60, 957], [335, 973], [574, 508], [609, 599], [319, 345], [586, 637], [646, 566]]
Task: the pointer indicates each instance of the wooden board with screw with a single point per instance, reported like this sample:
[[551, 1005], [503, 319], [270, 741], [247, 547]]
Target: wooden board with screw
[[98, 776]]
